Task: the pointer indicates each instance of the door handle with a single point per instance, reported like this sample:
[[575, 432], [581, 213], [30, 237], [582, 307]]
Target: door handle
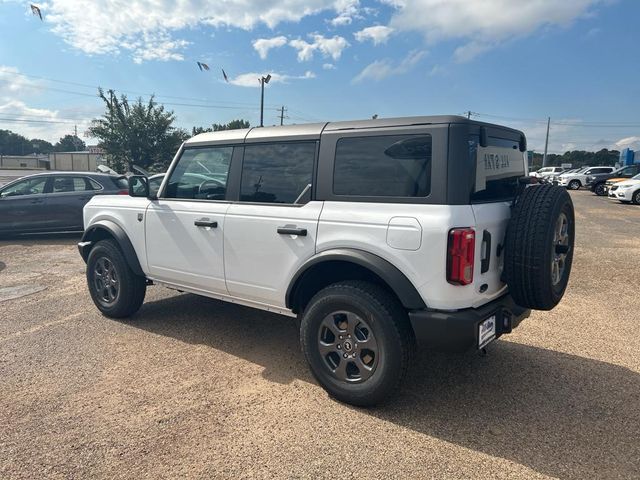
[[206, 223], [39, 200], [302, 232], [486, 261]]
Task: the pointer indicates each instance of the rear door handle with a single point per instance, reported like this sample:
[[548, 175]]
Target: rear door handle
[[206, 223], [486, 260], [302, 232]]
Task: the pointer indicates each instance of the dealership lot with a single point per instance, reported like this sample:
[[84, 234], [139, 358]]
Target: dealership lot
[[196, 387]]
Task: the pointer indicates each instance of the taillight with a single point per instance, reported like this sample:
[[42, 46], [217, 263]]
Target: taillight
[[123, 192], [460, 255]]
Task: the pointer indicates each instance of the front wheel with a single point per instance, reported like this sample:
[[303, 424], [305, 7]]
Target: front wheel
[[574, 185], [358, 342], [636, 198], [600, 190], [114, 288]]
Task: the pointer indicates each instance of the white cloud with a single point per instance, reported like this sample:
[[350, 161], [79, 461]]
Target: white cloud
[[341, 21], [377, 34], [347, 11], [381, 69], [628, 142], [328, 66], [146, 28], [19, 117], [263, 45], [483, 24], [252, 79], [328, 46], [12, 83]]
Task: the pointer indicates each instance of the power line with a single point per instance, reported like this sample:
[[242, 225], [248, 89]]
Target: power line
[[131, 92], [27, 120]]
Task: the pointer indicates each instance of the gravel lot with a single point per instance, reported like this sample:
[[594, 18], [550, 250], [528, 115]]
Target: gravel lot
[[193, 387]]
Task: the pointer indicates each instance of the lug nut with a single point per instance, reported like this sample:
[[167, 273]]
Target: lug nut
[[345, 355], [339, 347], [341, 337]]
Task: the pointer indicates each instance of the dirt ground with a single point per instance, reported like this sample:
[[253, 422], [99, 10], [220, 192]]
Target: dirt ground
[[193, 387]]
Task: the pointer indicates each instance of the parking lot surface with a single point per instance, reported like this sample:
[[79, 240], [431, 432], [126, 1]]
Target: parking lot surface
[[193, 387]]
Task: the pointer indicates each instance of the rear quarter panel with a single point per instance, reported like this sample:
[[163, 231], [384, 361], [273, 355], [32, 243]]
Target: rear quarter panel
[[365, 226]]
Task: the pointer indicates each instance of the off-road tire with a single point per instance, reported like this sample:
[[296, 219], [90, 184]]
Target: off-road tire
[[530, 246], [574, 185], [131, 289], [389, 323], [600, 190]]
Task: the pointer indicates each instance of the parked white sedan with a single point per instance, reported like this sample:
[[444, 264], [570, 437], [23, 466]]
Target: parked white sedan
[[626, 191]]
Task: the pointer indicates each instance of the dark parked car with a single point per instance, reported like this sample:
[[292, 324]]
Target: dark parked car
[[599, 184], [53, 201]]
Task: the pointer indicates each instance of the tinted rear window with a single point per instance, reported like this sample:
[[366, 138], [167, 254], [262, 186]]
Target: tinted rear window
[[277, 172], [498, 189], [383, 166], [120, 183]]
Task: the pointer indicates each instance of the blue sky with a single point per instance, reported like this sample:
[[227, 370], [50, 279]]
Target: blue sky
[[513, 62]]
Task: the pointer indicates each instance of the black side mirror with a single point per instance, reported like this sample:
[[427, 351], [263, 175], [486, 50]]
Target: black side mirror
[[138, 186], [523, 143]]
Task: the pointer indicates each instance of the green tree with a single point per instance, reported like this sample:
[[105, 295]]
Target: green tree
[[136, 133], [70, 143], [216, 127], [15, 144]]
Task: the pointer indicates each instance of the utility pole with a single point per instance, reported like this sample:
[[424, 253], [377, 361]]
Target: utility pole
[[469, 114], [546, 143], [262, 81], [75, 136], [282, 116]]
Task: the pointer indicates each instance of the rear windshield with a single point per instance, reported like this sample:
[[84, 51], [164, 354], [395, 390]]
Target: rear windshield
[[498, 167], [121, 183]]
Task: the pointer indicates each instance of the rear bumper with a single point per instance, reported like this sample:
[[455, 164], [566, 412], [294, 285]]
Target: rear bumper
[[458, 331]]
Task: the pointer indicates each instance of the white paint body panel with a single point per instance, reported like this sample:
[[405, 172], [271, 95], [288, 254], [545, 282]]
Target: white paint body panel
[[122, 210], [182, 253], [260, 262], [364, 226], [404, 233], [244, 260]]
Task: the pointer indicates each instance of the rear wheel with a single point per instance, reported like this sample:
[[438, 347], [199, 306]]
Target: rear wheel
[[574, 185], [114, 288], [539, 247], [358, 342]]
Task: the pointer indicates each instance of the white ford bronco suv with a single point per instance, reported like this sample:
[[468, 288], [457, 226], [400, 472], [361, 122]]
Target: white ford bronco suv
[[378, 235]]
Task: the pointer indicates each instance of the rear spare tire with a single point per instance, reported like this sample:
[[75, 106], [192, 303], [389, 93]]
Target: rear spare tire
[[539, 247]]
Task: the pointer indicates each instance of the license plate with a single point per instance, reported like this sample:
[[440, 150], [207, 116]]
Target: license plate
[[486, 331]]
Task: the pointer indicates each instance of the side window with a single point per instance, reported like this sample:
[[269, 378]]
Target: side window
[[277, 172], [201, 174], [628, 171], [68, 184], [32, 186], [93, 185], [383, 166]]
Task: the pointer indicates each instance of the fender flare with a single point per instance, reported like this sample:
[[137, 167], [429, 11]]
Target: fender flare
[[115, 231], [391, 275]]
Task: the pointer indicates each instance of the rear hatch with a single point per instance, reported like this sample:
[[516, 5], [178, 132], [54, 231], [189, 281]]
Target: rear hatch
[[498, 166]]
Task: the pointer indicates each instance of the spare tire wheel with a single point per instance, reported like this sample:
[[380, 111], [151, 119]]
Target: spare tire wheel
[[539, 246]]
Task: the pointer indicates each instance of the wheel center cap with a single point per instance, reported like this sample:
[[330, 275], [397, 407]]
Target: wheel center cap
[[348, 346]]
